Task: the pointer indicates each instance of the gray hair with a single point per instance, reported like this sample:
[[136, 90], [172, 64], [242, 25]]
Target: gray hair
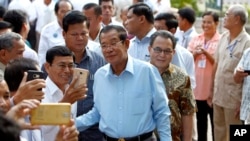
[[241, 11], [7, 39]]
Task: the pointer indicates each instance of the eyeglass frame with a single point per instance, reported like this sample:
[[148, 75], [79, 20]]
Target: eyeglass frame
[[112, 45], [158, 50], [63, 66]]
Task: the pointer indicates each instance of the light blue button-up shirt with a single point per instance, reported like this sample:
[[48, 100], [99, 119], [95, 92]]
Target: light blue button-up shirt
[[139, 48], [133, 103]]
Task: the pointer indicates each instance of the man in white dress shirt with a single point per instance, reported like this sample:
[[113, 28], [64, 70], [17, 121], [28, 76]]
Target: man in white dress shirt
[[108, 8], [51, 34], [59, 66], [186, 30], [140, 23]]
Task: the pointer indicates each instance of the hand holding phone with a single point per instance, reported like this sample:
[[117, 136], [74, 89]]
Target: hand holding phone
[[51, 114], [82, 75], [247, 71], [34, 74]]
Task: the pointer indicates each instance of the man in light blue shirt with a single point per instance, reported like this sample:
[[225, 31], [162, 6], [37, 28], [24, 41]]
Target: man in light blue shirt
[[140, 23], [129, 95]]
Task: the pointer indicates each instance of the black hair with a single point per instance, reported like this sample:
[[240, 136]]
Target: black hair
[[121, 31], [5, 25], [2, 11], [187, 13], [142, 9], [9, 130], [15, 69], [58, 3], [73, 17], [100, 1], [170, 20], [17, 18], [213, 14], [57, 51], [163, 34], [97, 8]]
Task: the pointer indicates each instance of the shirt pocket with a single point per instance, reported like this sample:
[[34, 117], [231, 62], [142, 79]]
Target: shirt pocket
[[140, 103]]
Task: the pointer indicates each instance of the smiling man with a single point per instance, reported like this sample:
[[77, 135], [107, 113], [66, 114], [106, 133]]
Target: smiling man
[[59, 66], [126, 90], [178, 87]]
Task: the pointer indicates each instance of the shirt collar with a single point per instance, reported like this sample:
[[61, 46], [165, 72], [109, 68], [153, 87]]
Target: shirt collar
[[87, 55], [148, 35], [239, 37], [188, 32], [129, 67], [169, 70], [52, 86]]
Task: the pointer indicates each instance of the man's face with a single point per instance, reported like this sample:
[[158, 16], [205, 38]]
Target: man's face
[[160, 25], [114, 50], [61, 70], [15, 52], [76, 38], [4, 95], [64, 7], [94, 20], [132, 23], [161, 52], [107, 9], [229, 19], [181, 22]]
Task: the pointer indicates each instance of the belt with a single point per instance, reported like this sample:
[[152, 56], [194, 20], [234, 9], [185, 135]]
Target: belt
[[141, 137]]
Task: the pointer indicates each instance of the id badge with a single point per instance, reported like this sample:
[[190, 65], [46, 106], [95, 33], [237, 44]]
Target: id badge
[[202, 63]]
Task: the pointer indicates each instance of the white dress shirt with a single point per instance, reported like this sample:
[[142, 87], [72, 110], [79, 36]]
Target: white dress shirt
[[51, 36], [30, 53], [183, 38], [24, 5], [52, 95], [185, 60], [43, 13]]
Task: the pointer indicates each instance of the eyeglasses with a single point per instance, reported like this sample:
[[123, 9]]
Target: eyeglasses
[[158, 50], [112, 45], [63, 66]]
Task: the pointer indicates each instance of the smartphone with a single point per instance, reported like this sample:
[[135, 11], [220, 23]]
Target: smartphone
[[51, 114], [247, 71], [82, 75], [34, 74]]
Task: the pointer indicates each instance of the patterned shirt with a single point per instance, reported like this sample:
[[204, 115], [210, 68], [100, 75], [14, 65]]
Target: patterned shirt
[[181, 98], [245, 106]]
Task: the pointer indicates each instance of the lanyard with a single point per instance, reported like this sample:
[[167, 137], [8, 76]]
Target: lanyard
[[231, 48], [206, 45]]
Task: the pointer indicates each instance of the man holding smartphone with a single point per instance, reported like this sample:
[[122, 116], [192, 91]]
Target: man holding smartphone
[[59, 66]]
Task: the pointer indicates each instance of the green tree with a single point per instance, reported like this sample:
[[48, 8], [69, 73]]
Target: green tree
[[185, 3]]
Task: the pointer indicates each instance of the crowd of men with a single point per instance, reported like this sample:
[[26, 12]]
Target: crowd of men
[[152, 77]]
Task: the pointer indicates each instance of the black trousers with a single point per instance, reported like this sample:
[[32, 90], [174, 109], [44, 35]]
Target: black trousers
[[203, 110]]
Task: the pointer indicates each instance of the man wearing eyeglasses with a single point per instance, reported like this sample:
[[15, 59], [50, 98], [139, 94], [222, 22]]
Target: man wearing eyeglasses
[[177, 82], [130, 97], [59, 66]]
